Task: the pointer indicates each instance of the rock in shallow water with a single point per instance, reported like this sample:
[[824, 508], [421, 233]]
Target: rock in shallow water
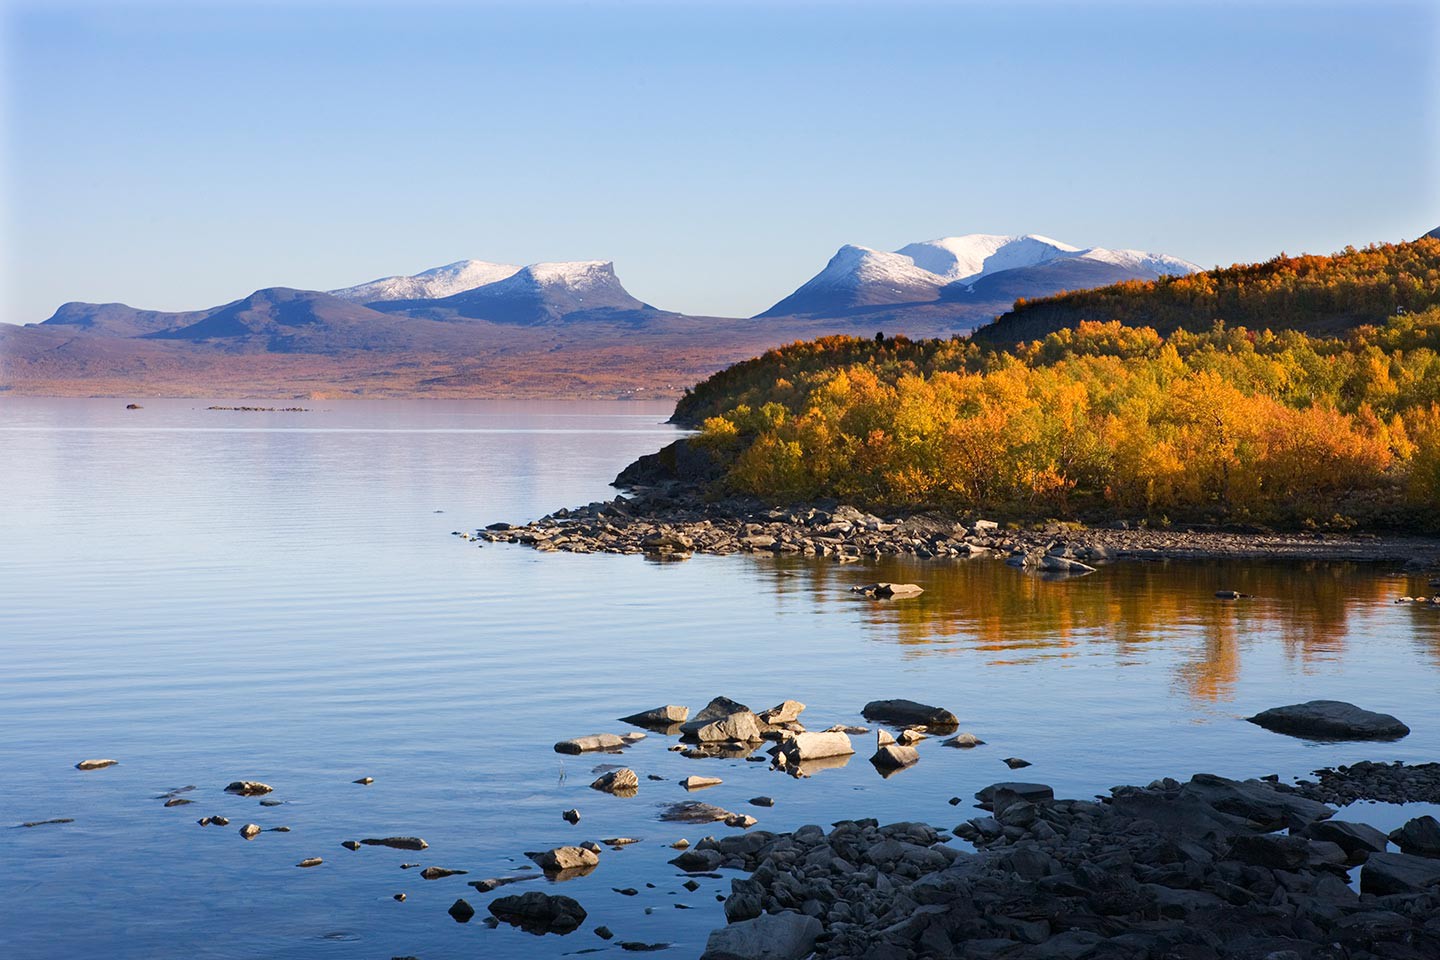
[[1330, 720], [595, 741], [622, 783], [249, 788], [902, 713], [564, 858], [397, 843], [95, 764], [540, 913], [658, 717]]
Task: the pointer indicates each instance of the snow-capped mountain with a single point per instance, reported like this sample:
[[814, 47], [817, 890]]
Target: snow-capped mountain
[[539, 293], [429, 284], [973, 256], [951, 268], [859, 277]]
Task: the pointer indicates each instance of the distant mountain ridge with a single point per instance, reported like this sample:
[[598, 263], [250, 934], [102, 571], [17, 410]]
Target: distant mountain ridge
[[541, 293], [952, 269], [430, 284]]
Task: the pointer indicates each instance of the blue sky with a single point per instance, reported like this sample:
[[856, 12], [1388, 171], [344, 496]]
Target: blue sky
[[179, 156]]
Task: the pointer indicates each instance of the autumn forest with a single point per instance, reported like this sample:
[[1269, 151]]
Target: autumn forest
[[1303, 392]]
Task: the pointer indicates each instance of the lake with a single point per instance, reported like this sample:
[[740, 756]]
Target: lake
[[210, 595]]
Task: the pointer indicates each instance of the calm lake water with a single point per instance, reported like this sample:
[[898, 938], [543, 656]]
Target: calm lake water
[[209, 596]]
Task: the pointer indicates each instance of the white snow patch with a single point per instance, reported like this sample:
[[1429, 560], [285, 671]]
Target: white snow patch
[[430, 284]]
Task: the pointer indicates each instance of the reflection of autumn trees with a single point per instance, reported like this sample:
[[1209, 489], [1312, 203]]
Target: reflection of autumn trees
[[1130, 610]]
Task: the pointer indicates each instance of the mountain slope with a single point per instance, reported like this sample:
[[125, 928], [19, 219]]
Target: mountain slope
[[946, 269], [118, 319], [859, 277], [542, 293], [430, 284], [1318, 295]]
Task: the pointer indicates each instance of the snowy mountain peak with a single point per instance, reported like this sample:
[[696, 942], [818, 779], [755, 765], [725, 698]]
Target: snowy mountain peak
[[576, 275], [974, 255], [860, 277], [1140, 261], [430, 284], [854, 266]]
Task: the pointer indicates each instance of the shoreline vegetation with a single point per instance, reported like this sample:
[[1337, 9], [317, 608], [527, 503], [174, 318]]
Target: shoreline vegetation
[[1145, 402]]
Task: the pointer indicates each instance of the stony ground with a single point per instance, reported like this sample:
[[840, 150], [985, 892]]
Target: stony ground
[[675, 525], [1202, 870]]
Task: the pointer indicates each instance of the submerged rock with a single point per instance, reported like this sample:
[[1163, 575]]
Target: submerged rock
[[964, 741], [437, 873], [889, 591], [1330, 720]]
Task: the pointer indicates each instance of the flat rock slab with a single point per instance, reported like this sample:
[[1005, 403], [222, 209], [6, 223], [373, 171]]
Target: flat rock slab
[[770, 936], [1386, 873], [596, 741], [95, 764], [694, 811], [816, 746], [700, 783], [903, 713], [1330, 720]]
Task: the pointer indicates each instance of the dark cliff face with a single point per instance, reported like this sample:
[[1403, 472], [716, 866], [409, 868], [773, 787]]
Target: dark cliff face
[[678, 461]]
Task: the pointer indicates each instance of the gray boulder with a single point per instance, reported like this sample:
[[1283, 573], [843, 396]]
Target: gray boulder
[[1386, 873], [1358, 840], [1420, 837], [770, 936], [1330, 720]]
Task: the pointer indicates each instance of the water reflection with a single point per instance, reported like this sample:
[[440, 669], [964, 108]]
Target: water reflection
[[1313, 612]]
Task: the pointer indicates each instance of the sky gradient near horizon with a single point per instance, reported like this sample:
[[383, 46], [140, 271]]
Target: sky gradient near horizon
[[177, 157]]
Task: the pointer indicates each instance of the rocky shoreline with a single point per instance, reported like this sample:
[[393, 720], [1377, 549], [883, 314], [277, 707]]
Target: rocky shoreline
[[673, 524], [1199, 870]]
